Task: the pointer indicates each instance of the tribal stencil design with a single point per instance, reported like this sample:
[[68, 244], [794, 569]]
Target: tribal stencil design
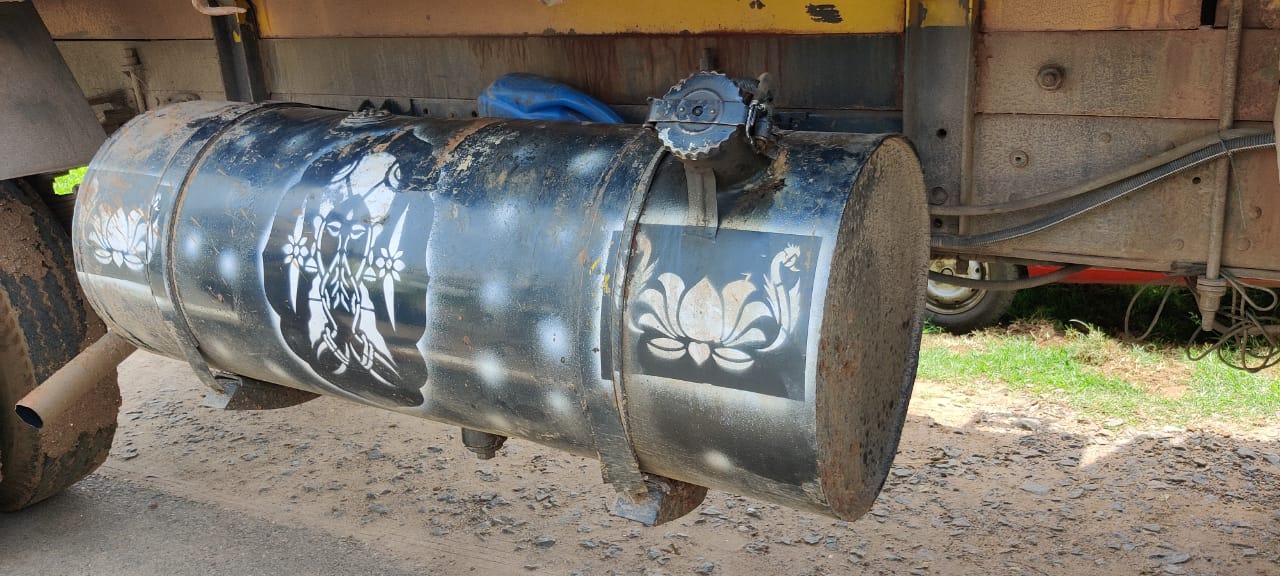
[[338, 283]]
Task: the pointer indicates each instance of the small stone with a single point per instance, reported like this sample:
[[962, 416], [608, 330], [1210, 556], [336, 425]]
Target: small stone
[[902, 472], [1271, 458], [1246, 453], [1172, 569], [375, 454], [248, 457], [1027, 424], [588, 544], [705, 568], [1113, 423], [711, 511], [379, 509], [653, 553], [1176, 558], [1037, 489], [544, 541], [129, 453], [753, 512], [439, 531], [1077, 493], [1153, 528], [812, 539], [961, 522]]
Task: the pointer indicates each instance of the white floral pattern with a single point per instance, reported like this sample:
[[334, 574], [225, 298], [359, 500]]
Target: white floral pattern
[[730, 326], [119, 237]]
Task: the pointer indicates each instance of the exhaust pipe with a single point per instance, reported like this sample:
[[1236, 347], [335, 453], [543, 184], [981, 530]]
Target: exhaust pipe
[[51, 398]]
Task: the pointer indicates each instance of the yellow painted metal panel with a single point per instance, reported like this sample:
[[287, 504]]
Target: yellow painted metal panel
[[933, 13], [349, 18]]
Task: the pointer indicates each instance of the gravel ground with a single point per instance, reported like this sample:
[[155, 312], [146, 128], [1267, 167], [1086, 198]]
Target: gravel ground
[[984, 483]]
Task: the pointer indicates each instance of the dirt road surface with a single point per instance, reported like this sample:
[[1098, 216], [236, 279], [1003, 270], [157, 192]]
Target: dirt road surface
[[984, 483]]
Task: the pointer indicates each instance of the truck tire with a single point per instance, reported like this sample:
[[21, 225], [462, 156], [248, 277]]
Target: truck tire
[[44, 322], [961, 310]]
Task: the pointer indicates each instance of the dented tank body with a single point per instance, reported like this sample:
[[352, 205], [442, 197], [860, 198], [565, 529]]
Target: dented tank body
[[531, 279]]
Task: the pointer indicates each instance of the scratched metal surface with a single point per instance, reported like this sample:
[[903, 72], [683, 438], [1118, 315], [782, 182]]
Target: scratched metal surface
[[463, 271]]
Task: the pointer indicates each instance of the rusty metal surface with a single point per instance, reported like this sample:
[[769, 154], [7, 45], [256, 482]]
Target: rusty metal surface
[[824, 72], [1162, 223], [1259, 76], [171, 69], [123, 20], [45, 122], [888, 310], [1257, 14], [1015, 158], [75, 379], [1033, 15], [1253, 213], [939, 60], [667, 500], [1164, 74]]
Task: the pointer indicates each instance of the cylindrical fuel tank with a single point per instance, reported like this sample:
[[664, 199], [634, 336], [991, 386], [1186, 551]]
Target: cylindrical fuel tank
[[531, 279]]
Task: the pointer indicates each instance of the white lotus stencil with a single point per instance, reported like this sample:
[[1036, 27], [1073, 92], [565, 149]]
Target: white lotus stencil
[[120, 237], [730, 326]]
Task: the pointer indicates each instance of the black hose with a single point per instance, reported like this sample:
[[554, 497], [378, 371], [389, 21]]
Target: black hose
[[1077, 205]]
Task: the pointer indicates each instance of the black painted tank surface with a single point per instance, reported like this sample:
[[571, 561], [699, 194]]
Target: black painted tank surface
[[530, 279]]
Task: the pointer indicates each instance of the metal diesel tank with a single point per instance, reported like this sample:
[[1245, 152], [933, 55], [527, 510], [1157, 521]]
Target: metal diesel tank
[[652, 298]]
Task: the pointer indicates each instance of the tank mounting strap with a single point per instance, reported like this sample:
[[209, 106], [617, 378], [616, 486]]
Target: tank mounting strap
[[605, 404], [167, 202]]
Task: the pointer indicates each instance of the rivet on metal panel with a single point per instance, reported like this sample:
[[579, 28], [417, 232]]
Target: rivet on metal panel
[[1019, 159], [1050, 77], [938, 196]]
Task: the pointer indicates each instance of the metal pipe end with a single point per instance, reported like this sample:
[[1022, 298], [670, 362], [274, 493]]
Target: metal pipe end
[[31, 417]]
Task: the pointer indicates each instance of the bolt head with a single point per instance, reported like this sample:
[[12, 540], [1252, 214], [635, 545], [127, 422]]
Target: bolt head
[[1050, 77]]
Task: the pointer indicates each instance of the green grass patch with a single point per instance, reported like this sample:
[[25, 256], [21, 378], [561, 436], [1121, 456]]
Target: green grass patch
[[1103, 378], [1104, 307]]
